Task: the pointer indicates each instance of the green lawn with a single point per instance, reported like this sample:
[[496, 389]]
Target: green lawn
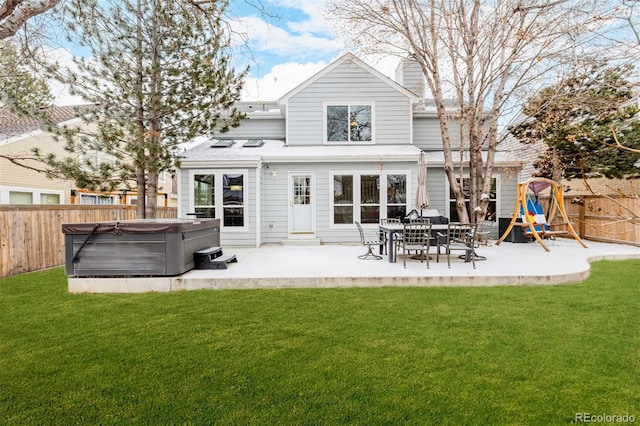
[[498, 355]]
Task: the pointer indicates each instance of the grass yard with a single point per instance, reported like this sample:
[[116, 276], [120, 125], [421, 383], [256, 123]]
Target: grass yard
[[498, 355]]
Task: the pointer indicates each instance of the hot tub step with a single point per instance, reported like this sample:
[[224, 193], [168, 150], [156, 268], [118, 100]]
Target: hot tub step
[[213, 258]]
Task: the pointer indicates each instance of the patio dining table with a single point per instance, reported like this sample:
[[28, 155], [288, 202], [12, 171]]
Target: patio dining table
[[393, 229]]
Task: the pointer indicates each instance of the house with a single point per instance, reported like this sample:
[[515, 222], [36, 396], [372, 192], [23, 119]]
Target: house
[[19, 185], [341, 147]]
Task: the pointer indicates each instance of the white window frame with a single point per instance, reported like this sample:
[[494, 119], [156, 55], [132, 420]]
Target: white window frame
[[357, 194], [98, 157], [96, 197], [325, 105], [218, 202], [467, 176], [36, 193]]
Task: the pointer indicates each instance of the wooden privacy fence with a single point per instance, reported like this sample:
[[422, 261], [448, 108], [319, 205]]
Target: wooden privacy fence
[[605, 219], [31, 235]]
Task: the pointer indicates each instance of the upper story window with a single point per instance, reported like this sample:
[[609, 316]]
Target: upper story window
[[349, 123]]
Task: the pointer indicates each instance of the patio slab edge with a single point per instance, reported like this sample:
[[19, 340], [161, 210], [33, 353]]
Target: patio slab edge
[[187, 282]]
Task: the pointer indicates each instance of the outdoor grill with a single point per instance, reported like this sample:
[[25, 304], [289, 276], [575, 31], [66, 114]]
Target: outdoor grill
[[146, 247]]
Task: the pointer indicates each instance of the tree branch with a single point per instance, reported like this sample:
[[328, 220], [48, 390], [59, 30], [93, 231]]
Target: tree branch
[[14, 13]]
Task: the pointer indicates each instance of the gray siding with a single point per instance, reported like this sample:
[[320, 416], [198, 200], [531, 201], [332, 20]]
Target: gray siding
[[409, 75], [427, 135], [351, 84], [256, 126], [275, 203]]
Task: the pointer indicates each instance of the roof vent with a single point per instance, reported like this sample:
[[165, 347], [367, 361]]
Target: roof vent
[[253, 143]]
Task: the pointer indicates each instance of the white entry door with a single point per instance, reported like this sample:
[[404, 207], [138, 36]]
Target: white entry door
[[301, 200]]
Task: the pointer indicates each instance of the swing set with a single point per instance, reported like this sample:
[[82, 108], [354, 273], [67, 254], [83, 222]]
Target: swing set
[[535, 223]]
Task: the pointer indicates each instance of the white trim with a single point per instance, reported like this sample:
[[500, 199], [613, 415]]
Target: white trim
[[314, 206], [348, 104], [219, 208], [357, 195], [35, 192]]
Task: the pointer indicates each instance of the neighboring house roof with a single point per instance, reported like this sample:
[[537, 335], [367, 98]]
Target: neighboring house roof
[[12, 124], [525, 154], [349, 57]]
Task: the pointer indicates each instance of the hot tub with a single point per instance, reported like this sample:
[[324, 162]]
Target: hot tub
[[146, 247]]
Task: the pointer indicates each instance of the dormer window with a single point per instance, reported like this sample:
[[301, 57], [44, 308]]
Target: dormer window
[[349, 123]]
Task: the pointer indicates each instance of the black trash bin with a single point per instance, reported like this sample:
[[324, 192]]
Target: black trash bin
[[516, 235]]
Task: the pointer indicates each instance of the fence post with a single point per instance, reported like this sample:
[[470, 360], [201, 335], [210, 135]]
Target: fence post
[[582, 217]]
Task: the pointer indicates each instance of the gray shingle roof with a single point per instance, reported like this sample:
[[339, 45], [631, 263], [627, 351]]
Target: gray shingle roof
[[15, 125]]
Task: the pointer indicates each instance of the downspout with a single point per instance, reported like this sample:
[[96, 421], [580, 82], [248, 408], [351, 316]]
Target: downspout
[[259, 191]]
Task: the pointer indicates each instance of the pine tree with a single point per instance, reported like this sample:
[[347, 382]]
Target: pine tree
[[159, 75], [21, 90], [579, 120]]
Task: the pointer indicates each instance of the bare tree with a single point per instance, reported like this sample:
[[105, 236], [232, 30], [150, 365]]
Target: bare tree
[[482, 54], [14, 13]]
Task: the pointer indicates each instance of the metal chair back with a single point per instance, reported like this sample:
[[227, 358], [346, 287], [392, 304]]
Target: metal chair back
[[459, 237]]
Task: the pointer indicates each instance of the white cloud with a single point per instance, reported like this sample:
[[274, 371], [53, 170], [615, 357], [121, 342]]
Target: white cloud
[[267, 38], [316, 22], [60, 91], [281, 79], [284, 77]]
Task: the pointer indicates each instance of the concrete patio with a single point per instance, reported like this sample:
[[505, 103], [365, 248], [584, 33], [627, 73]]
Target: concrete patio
[[288, 266]]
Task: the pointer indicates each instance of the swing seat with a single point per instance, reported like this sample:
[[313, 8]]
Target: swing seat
[[543, 228], [537, 218], [534, 221]]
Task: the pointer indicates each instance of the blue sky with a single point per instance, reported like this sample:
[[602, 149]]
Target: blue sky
[[289, 41], [289, 46]]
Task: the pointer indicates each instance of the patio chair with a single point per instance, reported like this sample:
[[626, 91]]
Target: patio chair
[[369, 243], [383, 236], [482, 232], [415, 237], [459, 237]]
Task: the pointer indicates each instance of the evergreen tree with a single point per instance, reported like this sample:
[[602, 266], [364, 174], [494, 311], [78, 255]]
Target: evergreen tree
[[579, 119], [159, 74], [21, 90]]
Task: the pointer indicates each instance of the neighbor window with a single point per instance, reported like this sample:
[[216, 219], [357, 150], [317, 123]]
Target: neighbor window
[[19, 197], [49, 198], [96, 199], [14, 195], [349, 123], [220, 195]]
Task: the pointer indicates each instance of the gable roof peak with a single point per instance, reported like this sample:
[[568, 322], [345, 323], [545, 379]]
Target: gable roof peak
[[345, 58]]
